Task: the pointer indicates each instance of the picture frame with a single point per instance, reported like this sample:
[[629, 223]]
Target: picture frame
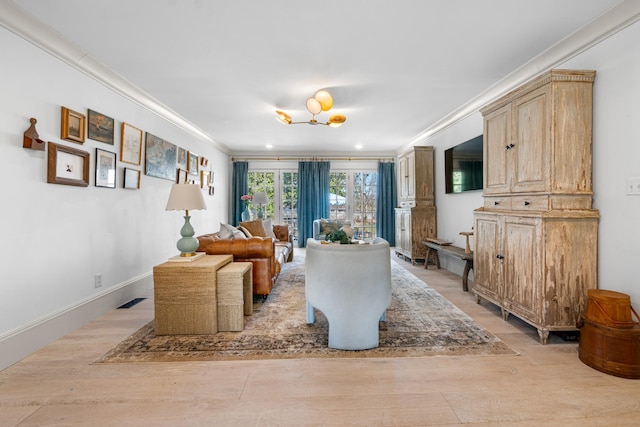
[[211, 190], [181, 159], [105, 169], [73, 125], [160, 158], [131, 179], [204, 161], [67, 165], [192, 163], [210, 178], [182, 176], [100, 127], [204, 179], [131, 144]]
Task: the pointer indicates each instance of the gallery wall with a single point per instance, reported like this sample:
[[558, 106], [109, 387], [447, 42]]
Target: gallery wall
[[58, 237]]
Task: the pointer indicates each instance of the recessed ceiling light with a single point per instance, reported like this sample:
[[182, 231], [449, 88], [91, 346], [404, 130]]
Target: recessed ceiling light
[[359, 146], [269, 146]]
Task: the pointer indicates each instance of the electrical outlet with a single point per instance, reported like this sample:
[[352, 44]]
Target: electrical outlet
[[98, 280], [633, 186]]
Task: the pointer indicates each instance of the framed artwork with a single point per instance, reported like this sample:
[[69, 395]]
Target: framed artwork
[[211, 190], [100, 127], [181, 160], [105, 168], [131, 178], [182, 176], [73, 125], [210, 178], [204, 161], [204, 179], [160, 158], [131, 144], [67, 166], [192, 167]]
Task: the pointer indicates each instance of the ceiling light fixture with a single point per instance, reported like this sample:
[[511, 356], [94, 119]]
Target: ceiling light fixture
[[321, 101]]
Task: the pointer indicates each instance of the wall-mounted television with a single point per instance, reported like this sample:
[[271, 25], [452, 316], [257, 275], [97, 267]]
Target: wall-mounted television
[[463, 166]]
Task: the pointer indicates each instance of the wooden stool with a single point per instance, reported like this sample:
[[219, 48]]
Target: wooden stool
[[235, 295]]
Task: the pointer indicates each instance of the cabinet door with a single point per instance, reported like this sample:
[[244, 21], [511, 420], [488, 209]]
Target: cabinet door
[[530, 154], [522, 266], [404, 177], [398, 230], [411, 173], [497, 139], [487, 265]]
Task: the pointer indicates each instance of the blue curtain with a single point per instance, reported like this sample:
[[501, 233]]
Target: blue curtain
[[239, 187], [386, 202], [313, 197]]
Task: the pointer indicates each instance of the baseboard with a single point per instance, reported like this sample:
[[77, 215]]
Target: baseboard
[[19, 343]]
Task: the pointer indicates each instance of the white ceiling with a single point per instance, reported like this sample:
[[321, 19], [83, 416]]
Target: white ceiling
[[394, 68]]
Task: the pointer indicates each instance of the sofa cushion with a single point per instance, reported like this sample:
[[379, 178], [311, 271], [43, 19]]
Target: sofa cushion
[[245, 231], [226, 231], [268, 229], [255, 227]]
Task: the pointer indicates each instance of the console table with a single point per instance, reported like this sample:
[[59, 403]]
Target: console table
[[185, 296], [433, 249]]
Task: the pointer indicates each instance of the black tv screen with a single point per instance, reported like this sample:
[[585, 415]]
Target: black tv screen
[[463, 166]]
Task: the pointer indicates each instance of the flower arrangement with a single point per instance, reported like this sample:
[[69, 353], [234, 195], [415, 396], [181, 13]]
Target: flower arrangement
[[246, 199]]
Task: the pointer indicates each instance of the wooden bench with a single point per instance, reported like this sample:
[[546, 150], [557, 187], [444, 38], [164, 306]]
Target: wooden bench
[[433, 247]]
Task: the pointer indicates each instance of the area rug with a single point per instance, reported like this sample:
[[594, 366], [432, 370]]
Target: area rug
[[420, 322]]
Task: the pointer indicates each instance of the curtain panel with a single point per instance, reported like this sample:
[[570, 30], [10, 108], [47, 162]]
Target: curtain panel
[[386, 203], [313, 197], [239, 187]]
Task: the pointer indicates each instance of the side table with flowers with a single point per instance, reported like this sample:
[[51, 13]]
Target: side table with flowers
[[246, 213]]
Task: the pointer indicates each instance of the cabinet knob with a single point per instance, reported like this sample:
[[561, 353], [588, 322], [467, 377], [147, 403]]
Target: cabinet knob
[[526, 203], [496, 203], [509, 147], [499, 256]]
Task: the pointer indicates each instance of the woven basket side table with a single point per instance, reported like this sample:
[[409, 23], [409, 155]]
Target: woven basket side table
[[185, 296], [235, 295]]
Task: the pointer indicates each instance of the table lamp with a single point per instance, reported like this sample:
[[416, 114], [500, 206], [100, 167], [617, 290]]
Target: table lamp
[[260, 199], [186, 196]]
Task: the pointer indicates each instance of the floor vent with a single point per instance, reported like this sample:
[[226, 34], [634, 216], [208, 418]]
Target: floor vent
[[132, 303]]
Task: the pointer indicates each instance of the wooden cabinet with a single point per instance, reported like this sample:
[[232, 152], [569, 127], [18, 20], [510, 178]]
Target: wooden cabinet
[[416, 214], [536, 235], [413, 225]]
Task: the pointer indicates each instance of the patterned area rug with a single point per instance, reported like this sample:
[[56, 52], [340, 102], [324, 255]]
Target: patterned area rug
[[420, 322]]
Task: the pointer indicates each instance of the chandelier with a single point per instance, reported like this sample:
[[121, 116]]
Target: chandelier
[[321, 101]]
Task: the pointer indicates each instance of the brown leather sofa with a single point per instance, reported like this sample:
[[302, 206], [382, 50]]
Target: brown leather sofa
[[266, 255]]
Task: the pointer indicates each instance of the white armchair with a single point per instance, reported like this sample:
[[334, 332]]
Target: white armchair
[[351, 285]]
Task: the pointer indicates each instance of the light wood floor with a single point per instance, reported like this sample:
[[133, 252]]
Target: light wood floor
[[542, 386]]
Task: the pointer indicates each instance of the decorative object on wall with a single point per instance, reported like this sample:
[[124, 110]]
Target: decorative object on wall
[[260, 199], [321, 101], [192, 159], [211, 178], [105, 168], [131, 178], [160, 158], [204, 161], [67, 166], [31, 138], [100, 127], [131, 144], [73, 125], [181, 159], [204, 179], [211, 190], [186, 197], [182, 176]]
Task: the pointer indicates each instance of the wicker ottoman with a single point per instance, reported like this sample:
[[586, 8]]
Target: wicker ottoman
[[185, 296], [235, 295]]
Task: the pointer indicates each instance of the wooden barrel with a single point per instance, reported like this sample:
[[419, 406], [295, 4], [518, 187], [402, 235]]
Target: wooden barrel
[[612, 350], [609, 308]]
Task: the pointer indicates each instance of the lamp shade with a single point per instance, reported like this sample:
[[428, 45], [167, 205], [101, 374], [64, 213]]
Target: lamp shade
[[260, 198], [185, 197]]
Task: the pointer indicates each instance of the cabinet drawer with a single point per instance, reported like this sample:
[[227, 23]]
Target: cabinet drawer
[[408, 204], [530, 203], [502, 203]]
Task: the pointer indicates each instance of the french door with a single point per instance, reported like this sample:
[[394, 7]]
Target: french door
[[353, 197]]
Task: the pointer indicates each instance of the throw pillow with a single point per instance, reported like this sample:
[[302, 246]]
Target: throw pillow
[[226, 231], [328, 226], [237, 234], [268, 229], [255, 227], [246, 232]]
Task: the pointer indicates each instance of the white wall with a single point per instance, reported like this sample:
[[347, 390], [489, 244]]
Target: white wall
[[55, 238], [616, 156]]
